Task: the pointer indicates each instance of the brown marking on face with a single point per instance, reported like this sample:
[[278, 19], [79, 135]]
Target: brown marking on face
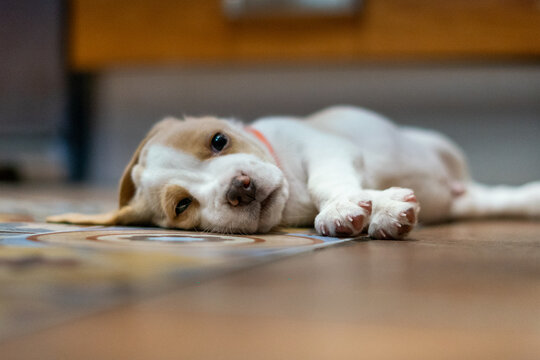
[[194, 135], [126, 189], [189, 218]]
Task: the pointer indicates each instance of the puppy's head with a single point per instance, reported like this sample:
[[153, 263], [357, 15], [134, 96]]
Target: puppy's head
[[198, 173]]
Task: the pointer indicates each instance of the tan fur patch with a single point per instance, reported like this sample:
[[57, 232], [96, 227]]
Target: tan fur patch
[[194, 135], [126, 189], [188, 219]]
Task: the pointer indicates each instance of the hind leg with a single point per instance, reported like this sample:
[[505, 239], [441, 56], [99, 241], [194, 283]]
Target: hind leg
[[482, 201], [438, 173]]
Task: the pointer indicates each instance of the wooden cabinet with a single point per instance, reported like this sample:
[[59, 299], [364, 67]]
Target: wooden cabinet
[[105, 33]]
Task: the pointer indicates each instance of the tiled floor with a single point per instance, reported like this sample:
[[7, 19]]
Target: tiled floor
[[55, 272]]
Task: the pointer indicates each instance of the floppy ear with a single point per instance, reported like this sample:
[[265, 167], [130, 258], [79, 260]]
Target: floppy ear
[[124, 216], [126, 186], [127, 213]]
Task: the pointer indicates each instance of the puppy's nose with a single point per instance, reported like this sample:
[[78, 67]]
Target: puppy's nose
[[241, 191]]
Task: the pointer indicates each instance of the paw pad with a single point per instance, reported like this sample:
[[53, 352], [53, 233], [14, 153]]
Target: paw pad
[[343, 217], [410, 198], [356, 221], [382, 235], [409, 215], [395, 214], [403, 229], [342, 230]]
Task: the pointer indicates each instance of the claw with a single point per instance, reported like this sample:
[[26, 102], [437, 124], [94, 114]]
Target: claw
[[403, 229], [324, 230], [342, 230], [410, 198], [366, 205], [357, 222], [409, 215]]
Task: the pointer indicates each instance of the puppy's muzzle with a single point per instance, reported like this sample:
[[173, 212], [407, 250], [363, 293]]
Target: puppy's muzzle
[[241, 191]]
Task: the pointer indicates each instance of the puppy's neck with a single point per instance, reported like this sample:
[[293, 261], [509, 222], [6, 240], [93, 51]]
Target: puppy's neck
[[265, 141]]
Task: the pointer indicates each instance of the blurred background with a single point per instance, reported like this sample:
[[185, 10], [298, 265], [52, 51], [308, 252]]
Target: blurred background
[[82, 81]]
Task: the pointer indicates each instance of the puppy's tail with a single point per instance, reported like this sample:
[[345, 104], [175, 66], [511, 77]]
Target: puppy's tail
[[482, 201]]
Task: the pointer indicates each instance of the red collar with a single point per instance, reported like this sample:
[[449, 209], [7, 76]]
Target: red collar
[[265, 141]]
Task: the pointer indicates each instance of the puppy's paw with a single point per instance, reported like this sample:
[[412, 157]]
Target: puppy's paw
[[395, 213], [343, 218]]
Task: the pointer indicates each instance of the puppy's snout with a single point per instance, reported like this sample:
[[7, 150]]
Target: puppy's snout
[[241, 191]]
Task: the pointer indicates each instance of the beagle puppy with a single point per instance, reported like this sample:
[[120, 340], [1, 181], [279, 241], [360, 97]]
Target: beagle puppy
[[343, 170]]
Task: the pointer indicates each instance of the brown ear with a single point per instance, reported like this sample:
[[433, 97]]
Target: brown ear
[[126, 188], [127, 213], [124, 216]]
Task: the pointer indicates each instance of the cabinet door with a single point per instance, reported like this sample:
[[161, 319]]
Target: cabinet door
[[105, 33]]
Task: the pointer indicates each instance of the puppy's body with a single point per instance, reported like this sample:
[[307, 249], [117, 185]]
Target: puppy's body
[[362, 150], [344, 169]]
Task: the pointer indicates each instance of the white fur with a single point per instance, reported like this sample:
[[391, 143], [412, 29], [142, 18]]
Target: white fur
[[207, 181], [343, 155], [344, 170]]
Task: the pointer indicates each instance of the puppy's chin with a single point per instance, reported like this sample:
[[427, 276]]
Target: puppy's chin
[[260, 216], [271, 208]]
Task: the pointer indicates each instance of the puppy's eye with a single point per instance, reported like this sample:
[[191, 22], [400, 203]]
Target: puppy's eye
[[182, 206], [219, 141]]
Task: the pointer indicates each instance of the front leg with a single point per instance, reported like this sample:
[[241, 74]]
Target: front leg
[[395, 213], [346, 209], [335, 188]]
